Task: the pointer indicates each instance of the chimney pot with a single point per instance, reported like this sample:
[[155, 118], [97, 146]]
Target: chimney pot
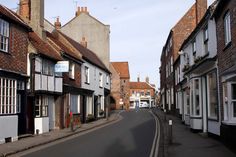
[[84, 42], [57, 24]]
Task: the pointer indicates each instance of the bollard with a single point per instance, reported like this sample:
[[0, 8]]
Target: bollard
[[170, 131], [164, 114]]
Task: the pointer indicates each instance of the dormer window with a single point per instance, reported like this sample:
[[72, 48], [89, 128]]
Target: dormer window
[[4, 35]]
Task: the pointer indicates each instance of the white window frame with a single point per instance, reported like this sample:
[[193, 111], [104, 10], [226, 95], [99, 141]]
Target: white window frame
[[107, 79], [87, 77], [78, 103], [193, 98], [72, 70], [100, 79], [205, 39], [228, 102], [4, 35], [227, 28], [43, 102], [209, 97], [8, 96]]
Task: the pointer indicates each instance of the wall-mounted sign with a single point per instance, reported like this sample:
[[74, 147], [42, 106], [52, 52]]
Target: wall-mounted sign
[[62, 66]]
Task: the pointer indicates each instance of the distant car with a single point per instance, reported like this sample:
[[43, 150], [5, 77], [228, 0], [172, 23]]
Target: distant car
[[143, 105]]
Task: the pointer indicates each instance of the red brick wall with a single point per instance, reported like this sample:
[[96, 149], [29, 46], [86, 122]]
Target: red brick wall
[[16, 58], [225, 53]]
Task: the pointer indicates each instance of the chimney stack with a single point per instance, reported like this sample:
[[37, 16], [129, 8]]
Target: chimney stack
[[147, 79], [81, 10], [84, 42], [33, 10], [138, 79], [57, 24], [201, 8], [24, 9]]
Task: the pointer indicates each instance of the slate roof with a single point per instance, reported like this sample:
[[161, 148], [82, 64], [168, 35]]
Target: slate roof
[[43, 48], [140, 85], [122, 68], [87, 54], [7, 13]]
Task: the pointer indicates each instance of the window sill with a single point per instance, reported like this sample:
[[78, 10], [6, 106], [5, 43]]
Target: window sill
[[229, 122], [215, 119], [7, 53], [87, 83], [227, 45]]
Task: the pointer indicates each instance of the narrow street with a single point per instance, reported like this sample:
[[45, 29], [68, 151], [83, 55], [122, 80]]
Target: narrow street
[[132, 136]]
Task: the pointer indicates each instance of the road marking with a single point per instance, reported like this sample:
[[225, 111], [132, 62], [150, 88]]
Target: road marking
[[156, 140]]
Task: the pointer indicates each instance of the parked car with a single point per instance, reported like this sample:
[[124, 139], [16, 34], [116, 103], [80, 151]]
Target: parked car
[[143, 105]]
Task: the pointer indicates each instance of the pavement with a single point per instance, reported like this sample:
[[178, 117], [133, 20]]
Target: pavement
[[185, 143], [24, 144]]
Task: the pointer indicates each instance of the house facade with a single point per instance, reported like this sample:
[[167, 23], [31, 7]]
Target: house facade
[[142, 93], [13, 76], [120, 84], [198, 83], [170, 52], [97, 34], [95, 77], [226, 39], [44, 85]]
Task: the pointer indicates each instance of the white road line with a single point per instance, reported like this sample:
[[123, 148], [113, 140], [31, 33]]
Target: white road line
[[155, 144]]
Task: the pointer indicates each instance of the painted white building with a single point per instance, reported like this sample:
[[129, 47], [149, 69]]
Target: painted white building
[[198, 77]]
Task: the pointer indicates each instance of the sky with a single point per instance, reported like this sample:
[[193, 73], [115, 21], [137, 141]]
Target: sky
[[139, 29]]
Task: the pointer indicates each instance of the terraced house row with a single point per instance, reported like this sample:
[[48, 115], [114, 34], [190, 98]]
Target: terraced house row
[[50, 72], [202, 73]]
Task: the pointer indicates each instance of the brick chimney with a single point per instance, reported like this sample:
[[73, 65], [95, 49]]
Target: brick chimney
[[57, 24], [33, 10], [84, 43], [24, 9], [81, 10], [201, 8]]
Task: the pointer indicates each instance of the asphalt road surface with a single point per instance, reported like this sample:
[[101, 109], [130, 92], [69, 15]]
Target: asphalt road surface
[[131, 137]]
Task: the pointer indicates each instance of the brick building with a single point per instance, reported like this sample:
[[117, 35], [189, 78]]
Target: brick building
[[142, 94], [13, 75], [120, 84], [170, 52], [226, 51]]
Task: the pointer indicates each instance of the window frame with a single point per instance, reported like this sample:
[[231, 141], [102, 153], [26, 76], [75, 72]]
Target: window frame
[[194, 51], [216, 116], [4, 35], [87, 77], [227, 28], [205, 39], [72, 70], [100, 80], [8, 96]]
